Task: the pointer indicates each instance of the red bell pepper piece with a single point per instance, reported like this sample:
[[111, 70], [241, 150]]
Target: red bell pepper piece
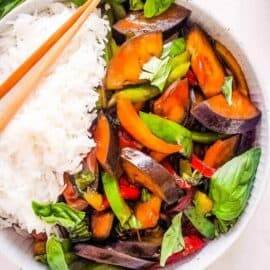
[[193, 243], [200, 166], [182, 184], [125, 140], [192, 80]]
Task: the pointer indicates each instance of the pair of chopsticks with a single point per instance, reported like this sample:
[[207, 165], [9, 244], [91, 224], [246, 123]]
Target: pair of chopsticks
[[22, 82]]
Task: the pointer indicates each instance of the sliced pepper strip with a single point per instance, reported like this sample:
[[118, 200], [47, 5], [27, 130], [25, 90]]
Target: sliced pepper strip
[[118, 205], [200, 166], [130, 120]]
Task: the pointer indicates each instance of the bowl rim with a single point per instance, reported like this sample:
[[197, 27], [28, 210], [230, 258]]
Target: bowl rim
[[244, 220]]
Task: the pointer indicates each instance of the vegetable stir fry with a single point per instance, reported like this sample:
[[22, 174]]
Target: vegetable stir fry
[[174, 161]]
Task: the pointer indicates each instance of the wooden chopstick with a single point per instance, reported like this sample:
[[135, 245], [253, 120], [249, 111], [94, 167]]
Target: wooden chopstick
[[36, 55], [14, 99]]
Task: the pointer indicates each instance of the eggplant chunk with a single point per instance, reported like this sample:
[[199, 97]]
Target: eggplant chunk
[[145, 250], [247, 141], [217, 115], [110, 256], [147, 172], [107, 149], [204, 63], [125, 67], [135, 23]]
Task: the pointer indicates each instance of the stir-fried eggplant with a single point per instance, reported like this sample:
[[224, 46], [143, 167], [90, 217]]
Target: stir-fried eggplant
[[138, 249], [145, 171], [110, 256], [125, 67], [217, 115], [135, 23]]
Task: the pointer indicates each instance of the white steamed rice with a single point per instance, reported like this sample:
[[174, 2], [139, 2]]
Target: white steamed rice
[[50, 134]]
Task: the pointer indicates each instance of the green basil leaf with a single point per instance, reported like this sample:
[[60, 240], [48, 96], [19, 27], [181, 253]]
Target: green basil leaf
[[58, 213], [78, 3], [136, 4], [156, 7], [157, 71], [7, 5], [55, 255], [202, 224], [169, 131], [174, 48], [227, 89], [231, 185], [173, 240], [63, 215]]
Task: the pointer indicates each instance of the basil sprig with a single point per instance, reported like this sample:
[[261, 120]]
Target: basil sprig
[[173, 240], [64, 215], [231, 185]]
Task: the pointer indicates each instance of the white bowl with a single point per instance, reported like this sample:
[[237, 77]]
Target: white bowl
[[243, 26]]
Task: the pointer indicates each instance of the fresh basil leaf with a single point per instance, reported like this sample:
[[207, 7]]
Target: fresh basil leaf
[[169, 131], [136, 4], [55, 255], [174, 48], [156, 71], [58, 213], [156, 7], [78, 3], [227, 89], [7, 5], [63, 215], [173, 240], [231, 185], [201, 223]]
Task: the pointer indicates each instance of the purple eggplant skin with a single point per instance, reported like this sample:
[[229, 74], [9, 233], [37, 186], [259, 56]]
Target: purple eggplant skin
[[110, 256], [246, 141], [146, 250], [160, 178], [135, 23], [218, 123]]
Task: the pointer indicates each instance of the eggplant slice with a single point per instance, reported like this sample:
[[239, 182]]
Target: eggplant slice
[[147, 172], [217, 115], [146, 250], [135, 23], [110, 256]]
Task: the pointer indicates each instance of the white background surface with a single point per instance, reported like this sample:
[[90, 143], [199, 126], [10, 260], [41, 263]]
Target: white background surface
[[251, 19]]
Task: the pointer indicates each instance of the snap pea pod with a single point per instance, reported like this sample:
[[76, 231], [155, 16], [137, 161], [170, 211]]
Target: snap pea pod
[[169, 131], [55, 255], [118, 205], [135, 94], [201, 223], [206, 137]]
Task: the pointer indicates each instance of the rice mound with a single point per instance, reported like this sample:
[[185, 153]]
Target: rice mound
[[49, 135]]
